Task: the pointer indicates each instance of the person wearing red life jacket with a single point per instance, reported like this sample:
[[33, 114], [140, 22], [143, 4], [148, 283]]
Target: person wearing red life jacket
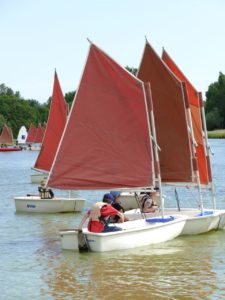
[[99, 216]]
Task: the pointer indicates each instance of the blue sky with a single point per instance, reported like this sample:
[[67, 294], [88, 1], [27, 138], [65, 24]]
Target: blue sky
[[39, 36]]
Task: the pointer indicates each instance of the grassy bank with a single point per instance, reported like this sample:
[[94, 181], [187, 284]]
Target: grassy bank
[[216, 134]]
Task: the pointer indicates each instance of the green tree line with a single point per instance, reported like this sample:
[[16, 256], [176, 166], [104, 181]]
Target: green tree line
[[16, 111], [215, 104]]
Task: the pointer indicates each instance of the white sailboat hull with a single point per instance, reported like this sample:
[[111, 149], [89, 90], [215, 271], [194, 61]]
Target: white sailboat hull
[[37, 178], [135, 234], [195, 223], [34, 204]]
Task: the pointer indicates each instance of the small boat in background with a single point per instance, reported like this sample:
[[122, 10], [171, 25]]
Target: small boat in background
[[54, 128], [53, 131], [22, 136], [6, 140], [10, 148]]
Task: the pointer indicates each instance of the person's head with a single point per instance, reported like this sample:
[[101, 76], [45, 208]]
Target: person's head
[[107, 198], [43, 183], [116, 196]]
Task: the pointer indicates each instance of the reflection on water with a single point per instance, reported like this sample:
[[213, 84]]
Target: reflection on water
[[33, 266], [185, 268]]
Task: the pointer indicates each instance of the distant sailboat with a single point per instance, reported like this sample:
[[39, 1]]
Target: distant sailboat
[[174, 115], [31, 134], [54, 129], [39, 134], [22, 135], [109, 126], [31, 137], [6, 140]]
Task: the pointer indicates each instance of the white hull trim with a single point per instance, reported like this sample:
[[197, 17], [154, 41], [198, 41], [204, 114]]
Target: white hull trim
[[195, 223], [34, 204], [135, 234]]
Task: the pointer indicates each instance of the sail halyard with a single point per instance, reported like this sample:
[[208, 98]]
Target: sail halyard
[[173, 139], [54, 128], [107, 124]]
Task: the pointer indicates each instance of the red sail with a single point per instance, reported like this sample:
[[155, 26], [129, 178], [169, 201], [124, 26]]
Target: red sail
[[196, 117], [31, 134], [6, 135], [106, 143], [39, 134], [54, 128], [170, 118]]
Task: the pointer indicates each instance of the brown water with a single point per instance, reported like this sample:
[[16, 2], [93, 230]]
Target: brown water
[[33, 265]]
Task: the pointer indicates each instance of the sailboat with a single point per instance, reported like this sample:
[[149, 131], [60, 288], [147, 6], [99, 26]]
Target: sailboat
[[6, 140], [53, 131], [166, 87], [31, 136], [55, 126], [39, 174], [22, 135], [36, 145], [111, 123]]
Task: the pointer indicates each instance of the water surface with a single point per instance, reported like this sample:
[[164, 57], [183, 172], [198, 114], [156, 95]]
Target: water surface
[[33, 265]]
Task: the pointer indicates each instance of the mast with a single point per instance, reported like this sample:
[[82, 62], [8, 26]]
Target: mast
[[208, 152], [193, 144], [148, 94]]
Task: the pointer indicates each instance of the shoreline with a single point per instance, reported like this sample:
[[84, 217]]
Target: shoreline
[[216, 134]]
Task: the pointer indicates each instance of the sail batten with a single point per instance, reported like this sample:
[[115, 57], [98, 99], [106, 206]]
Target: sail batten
[[106, 142]]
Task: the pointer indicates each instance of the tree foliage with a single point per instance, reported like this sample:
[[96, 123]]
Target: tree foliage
[[16, 111], [215, 104], [131, 70], [69, 97]]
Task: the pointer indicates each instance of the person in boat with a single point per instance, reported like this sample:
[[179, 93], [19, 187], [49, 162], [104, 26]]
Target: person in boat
[[99, 217], [44, 192], [148, 205], [116, 203]]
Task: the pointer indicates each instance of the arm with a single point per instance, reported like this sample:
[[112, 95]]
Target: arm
[[121, 216], [82, 221]]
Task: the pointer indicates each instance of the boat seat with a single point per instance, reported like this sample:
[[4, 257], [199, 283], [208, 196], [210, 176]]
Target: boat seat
[[160, 220], [205, 213]]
